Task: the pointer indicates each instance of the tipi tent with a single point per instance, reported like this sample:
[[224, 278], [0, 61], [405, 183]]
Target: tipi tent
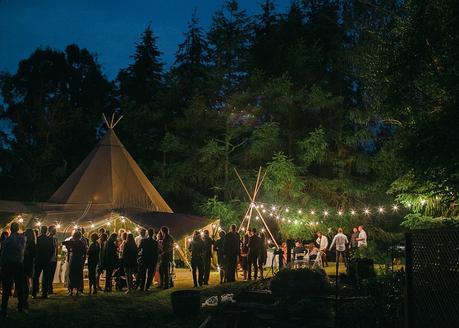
[[109, 183]]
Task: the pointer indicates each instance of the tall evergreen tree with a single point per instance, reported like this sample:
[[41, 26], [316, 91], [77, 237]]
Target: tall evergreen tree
[[229, 40], [142, 80], [190, 72]]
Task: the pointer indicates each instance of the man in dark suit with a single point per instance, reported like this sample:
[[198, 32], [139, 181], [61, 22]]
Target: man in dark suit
[[232, 249], [253, 253], [148, 257], [207, 256], [45, 251]]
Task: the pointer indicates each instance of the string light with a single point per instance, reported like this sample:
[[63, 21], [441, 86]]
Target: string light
[[58, 226], [366, 211], [286, 210], [92, 225], [340, 213], [243, 228], [262, 229], [313, 212], [20, 220], [395, 208], [108, 223], [325, 213], [352, 212], [75, 227], [257, 218], [423, 202], [273, 208], [38, 224], [189, 240], [381, 209], [300, 211]]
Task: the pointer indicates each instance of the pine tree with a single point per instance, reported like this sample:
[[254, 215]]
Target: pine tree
[[141, 80], [191, 68], [229, 40]]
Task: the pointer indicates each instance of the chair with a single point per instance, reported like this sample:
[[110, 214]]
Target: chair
[[300, 260]]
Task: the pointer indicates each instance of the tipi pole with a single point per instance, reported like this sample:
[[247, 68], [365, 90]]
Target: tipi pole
[[266, 226], [106, 121]]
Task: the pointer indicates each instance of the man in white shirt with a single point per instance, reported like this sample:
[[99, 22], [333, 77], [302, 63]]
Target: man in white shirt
[[340, 241], [143, 235], [362, 240], [322, 241]]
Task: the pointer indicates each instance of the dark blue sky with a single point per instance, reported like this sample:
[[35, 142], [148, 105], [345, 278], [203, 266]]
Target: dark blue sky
[[108, 28]]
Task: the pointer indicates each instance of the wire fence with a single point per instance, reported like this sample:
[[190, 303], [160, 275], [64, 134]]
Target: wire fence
[[432, 278]]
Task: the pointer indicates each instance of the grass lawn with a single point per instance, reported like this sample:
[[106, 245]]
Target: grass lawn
[[152, 309]]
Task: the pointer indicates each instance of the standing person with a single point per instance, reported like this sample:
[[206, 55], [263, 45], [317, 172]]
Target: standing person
[[53, 263], [244, 250], [129, 260], [77, 255], [354, 236], [29, 259], [220, 249], [166, 257], [45, 251], [85, 242], [100, 265], [147, 259], [207, 256], [322, 241], [142, 235], [263, 254], [12, 263], [253, 254], [362, 239], [93, 260], [197, 249], [110, 260], [340, 241], [231, 251]]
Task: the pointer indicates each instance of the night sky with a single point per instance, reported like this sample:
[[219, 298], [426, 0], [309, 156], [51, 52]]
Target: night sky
[[108, 28]]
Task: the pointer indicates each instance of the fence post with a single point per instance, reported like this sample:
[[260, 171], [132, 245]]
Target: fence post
[[409, 281]]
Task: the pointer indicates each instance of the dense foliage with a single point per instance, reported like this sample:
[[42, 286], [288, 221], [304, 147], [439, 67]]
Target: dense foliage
[[342, 101]]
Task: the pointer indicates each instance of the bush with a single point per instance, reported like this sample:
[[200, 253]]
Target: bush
[[300, 283]]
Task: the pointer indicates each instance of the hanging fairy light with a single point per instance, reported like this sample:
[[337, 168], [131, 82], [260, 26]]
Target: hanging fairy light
[[325, 213], [189, 240], [340, 213], [257, 218], [395, 208], [58, 226], [287, 210], [262, 229], [366, 211], [300, 211], [243, 228], [75, 227], [352, 212], [92, 225], [381, 210], [273, 208], [38, 224], [313, 212]]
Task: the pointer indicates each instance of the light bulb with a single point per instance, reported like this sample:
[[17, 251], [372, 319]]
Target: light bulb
[[381, 210], [395, 208], [352, 212], [340, 212], [313, 212], [325, 213]]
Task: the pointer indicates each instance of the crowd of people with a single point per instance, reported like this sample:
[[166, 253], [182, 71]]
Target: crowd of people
[[127, 262], [137, 263], [342, 245], [250, 250]]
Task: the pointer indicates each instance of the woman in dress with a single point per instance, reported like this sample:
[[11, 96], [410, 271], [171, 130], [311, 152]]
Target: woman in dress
[[93, 259], [129, 260], [77, 251], [110, 260], [263, 254], [29, 258], [219, 248]]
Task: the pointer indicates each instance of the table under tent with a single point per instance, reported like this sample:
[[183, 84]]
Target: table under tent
[[109, 189]]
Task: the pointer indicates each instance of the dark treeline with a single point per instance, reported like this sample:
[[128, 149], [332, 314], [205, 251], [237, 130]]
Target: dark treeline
[[346, 102]]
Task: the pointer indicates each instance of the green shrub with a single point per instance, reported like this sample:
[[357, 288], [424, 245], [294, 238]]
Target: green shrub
[[300, 283]]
